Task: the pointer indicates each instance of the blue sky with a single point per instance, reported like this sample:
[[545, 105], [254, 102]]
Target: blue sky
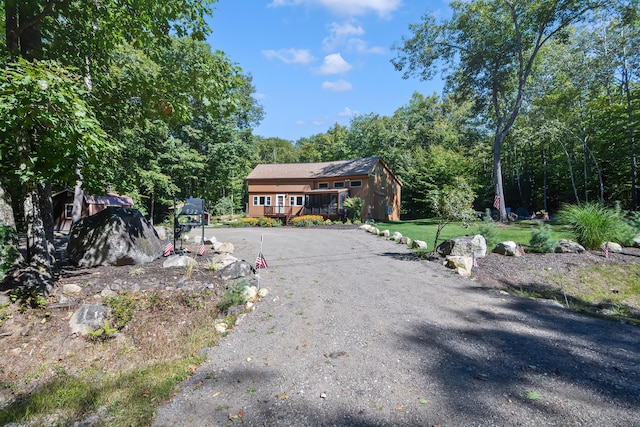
[[318, 62]]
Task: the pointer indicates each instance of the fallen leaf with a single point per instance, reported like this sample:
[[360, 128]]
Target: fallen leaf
[[423, 401], [400, 408], [282, 396], [216, 394]]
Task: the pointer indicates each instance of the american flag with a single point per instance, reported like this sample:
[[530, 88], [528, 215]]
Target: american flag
[[474, 261], [168, 248], [261, 262], [496, 201], [519, 248], [606, 250], [202, 249]]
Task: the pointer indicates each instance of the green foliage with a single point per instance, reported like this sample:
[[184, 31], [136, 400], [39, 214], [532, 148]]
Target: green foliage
[[489, 232], [224, 206], [123, 307], [233, 296], [592, 225], [102, 333], [452, 204], [354, 207], [43, 111], [28, 298], [541, 240], [306, 220]]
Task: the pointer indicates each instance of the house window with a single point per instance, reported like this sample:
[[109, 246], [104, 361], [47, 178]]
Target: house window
[[357, 183], [296, 200], [323, 185], [261, 200], [338, 184], [68, 210]]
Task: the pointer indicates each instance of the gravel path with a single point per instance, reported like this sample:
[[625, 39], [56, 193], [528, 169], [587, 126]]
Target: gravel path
[[356, 332]]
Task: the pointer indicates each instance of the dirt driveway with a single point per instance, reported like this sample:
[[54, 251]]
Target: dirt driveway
[[357, 332]]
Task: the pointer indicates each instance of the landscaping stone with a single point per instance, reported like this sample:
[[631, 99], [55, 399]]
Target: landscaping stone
[[88, 317], [384, 233], [418, 244], [568, 247], [508, 248], [223, 247], [613, 247], [178, 261], [396, 236], [113, 236], [236, 270], [462, 264], [464, 246]]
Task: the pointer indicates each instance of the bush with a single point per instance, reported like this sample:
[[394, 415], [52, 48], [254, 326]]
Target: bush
[[233, 296], [541, 240], [354, 205], [307, 220], [489, 232], [223, 206], [592, 225]]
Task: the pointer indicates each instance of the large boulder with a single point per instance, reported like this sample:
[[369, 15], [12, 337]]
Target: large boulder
[[464, 246], [113, 236], [508, 248], [569, 247]]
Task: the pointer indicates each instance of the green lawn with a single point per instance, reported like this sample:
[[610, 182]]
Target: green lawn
[[425, 229]]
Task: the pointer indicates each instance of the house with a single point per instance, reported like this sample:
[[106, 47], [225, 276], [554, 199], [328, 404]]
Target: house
[[63, 206], [293, 189]]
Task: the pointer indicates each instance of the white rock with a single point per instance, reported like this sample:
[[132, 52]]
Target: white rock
[[396, 236], [508, 248], [462, 264], [178, 261], [263, 292], [418, 244], [250, 292], [385, 233], [71, 288], [613, 247]]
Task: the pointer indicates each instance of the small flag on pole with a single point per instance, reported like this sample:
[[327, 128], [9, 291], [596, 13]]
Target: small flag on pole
[[168, 248], [520, 249], [202, 249], [496, 201], [474, 261], [606, 250], [261, 262]]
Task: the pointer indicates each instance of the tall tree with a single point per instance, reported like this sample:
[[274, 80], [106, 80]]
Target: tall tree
[[492, 46], [83, 35]]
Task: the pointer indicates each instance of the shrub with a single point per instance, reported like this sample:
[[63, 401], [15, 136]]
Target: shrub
[[354, 205], [267, 222], [233, 296], [307, 220], [489, 232], [592, 225], [224, 206], [541, 240]]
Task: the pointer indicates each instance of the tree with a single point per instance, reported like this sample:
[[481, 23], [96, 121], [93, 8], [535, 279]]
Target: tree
[[81, 36], [452, 203], [46, 130], [492, 46]]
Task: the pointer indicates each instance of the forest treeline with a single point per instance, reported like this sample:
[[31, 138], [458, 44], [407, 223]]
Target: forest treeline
[[540, 107]]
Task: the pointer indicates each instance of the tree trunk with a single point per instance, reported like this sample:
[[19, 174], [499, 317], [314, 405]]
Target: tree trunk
[[78, 195], [9, 253], [39, 250], [497, 173]]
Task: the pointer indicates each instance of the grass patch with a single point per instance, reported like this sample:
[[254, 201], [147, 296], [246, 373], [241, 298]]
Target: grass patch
[[128, 398], [519, 231]]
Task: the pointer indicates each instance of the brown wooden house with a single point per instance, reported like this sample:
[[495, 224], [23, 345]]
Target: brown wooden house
[[293, 189], [63, 206]]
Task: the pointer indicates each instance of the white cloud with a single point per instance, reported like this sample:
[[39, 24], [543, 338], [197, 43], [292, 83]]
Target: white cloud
[[361, 46], [334, 64], [339, 34], [348, 112], [383, 8], [290, 56], [337, 86]]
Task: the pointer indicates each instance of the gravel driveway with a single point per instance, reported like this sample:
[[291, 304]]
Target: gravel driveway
[[356, 332]]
